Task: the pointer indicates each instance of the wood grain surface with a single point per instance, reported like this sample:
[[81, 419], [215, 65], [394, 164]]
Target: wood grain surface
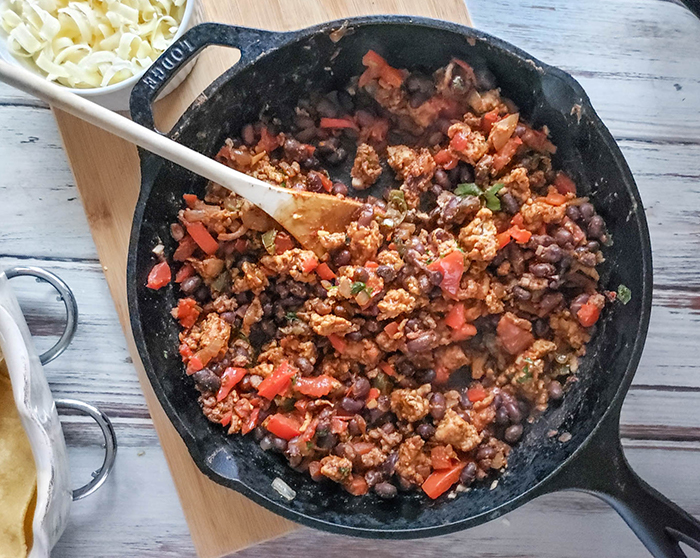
[[106, 171], [633, 57]]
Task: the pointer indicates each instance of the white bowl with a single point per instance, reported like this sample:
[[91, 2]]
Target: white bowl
[[37, 411], [116, 97]]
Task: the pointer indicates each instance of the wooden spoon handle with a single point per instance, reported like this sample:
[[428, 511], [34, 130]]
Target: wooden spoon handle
[[267, 197]]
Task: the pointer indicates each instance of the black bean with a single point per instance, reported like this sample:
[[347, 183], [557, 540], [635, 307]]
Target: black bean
[[372, 326], [593, 245], [291, 302], [354, 336], [388, 428], [297, 289], [573, 213], [468, 474], [269, 328], [540, 240], [361, 387], [424, 284], [361, 274], [341, 257], [258, 433], [424, 342], [202, 293], [327, 108], [206, 380], [366, 216], [540, 328], [555, 390], [385, 490], [307, 134], [551, 254], [387, 468], [351, 405], [364, 118], [302, 121], [229, 317], [437, 406], [513, 433], [304, 365], [337, 157], [521, 294], [340, 188], [408, 383], [440, 177], [386, 272], [464, 400], [419, 82], [542, 269], [596, 227], [466, 173], [383, 403], [514, 411], [485, 452], [326, 440], [315, 183], [510, 204], [563, 237], [502, 416], [266, 443], [577, 303], [425, 430], [426, 376], [373, 477], [587, 211], [549, 302], [279, 444], [354, 426]]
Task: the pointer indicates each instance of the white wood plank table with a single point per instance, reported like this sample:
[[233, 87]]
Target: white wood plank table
[[638, 60]]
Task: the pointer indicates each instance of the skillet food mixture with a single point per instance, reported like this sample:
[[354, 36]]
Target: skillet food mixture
[[452, 310]]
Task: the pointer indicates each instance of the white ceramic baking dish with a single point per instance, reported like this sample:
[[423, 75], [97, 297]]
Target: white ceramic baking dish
[[38, 411]]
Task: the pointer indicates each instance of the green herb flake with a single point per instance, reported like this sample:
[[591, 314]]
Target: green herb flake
[[284, 184], [357, 287], [493, 202], [468, 189], [345, 471], [309, 445], [527, 375], [624, 294], [291, 316], [268, 240]]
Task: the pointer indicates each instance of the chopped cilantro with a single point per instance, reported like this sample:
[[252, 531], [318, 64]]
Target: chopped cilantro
[[527, 375], [357, 287], [291, 316], [284, 184], [493, 202], [468, 189], [309, 445], [624, 294], [345, 471]]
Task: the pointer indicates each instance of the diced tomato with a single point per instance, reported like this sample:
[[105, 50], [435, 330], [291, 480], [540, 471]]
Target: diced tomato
[[388, 369], [185, 351], [503, 239], [338, 425], [377, 67], [517, 220], [338, 123], [229, 379], [187, 311], [391, 329], [301, 405], [185, 272], [315, 471], [452, 268], [201, 236], [441, 457], [476, 393], [315, 387], [521, 236], [564, 184], [588, 314], [325, 272], [488, 120], [190, 200], [446, 159], [371, 265], [467, 331], [194, 365], [442, 374], [554, 197], [267, 142], [455, 317], [514, 339], [459, 142], [185, 249], [506, 153], [373, 394], [226, 419], [283, 426], [308, 434], [338, 342], [357, 485], [277, 382], [440, 482], [251, 422], [283, 242], [326, 182], [241, 245], [159, 276], [309, 264]]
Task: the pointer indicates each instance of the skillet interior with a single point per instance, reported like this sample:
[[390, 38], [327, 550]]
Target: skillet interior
[[273, 84]]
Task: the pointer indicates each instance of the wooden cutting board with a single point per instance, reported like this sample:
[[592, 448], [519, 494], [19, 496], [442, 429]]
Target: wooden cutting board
[[106, 171]]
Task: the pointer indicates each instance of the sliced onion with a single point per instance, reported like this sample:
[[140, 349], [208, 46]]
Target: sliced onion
[[283, 489]]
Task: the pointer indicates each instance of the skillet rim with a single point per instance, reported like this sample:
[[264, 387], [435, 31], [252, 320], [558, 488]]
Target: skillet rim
[[279, 40]]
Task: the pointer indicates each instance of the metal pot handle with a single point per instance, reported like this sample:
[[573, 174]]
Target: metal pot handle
[[601, 469], [100, 476], [66, 296], [251, 43]]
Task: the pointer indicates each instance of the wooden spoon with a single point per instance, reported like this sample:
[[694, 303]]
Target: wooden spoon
[[299, 212]]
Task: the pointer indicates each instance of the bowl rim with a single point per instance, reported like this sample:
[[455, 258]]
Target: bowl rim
[[107, 89]]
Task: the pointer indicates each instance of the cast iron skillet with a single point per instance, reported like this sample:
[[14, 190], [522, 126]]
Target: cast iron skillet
[[275, 70]]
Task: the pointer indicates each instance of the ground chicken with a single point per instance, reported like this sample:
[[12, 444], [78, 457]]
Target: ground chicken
[[568, 330], [478, 238], [253, 315], [215, 332], [409, 404], [366, 169], [451, 357], [331, 241], [373, 458], [290, 262], [365, 352], [517, 183], [336, 468], [253, 279], [412, 464], [395, 303], [364, 241], [208, 268], [330, 323], [454, 430], [391, 258], [414, 168], [476, 144], [537, 212]]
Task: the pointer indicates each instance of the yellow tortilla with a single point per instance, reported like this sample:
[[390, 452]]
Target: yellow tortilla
[[17, 477]]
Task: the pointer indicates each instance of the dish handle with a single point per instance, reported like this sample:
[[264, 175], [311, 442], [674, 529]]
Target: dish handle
[[601, 469], [251, 43]]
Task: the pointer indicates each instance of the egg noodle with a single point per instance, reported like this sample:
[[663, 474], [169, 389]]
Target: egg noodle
[[90, 43]]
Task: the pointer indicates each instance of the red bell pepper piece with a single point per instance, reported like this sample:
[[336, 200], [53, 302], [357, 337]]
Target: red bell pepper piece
[[456, 316], [325, 272], [553, 197], [452, 268], [201, 236], [277, 382], [357, 486], [337, 123], [226, 419], [185, 272], [315, 387], [440, 457], [283, 426], [391, 329], [476, 393], [467, 331], [514, 339], [488, 120], [446, 159], [506, 153], [388, 369], [440, 482], [251, 422], [190, 200], [588, 314], [309, 264], [159, 276], [229, 379], [194, 365], [185, 249], [283, 242], [267, 142], [373, 394], [338, 343], [187, 312]]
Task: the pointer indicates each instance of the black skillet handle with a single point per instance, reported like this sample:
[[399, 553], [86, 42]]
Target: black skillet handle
[[251, 43], [602, 470]]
